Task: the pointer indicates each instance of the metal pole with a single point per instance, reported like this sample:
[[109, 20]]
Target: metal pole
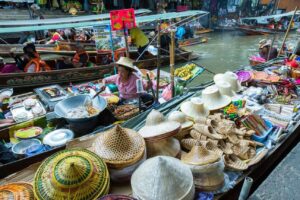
[[158, 62], [172, 61], [126, 42], [288, 30]]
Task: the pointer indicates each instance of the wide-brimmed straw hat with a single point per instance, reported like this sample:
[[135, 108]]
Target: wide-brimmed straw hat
[[213, 99], [17, 190], [200, 156], [157, 127], [72, 174], [230, 78], [163, 177], [119, 147], [225, 89], [264, 43], [126, 62], [194, 108], [180, 117]]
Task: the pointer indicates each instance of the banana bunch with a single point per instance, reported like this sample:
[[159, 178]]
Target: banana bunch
[[185, 72]]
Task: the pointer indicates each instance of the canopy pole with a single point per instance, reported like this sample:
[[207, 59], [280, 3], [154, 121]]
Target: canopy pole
[[172, 61], [287, 31], [158, 62], [126, 42]]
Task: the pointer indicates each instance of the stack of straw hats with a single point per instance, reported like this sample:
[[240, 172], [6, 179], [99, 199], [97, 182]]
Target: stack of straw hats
[[163, 177], [222, 136], [18, 190], [213, 99], [122, 149], [158, 134], [207, 167], [72, 174], [228, 79], [186, 124], [194, 108]]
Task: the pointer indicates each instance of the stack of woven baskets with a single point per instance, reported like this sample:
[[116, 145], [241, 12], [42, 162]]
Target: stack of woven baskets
[[122, 149], [158, 134]]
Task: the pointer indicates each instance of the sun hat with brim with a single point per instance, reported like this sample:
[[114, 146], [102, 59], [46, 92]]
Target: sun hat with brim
[[180, 117], [17, 190], [58, 137], [264, 44], [72, 174], [230, 78], [157, 128], [200, 156], [119, 147], [194, 108], [213, 99], [163, 177], [126, 62], [225, 89]]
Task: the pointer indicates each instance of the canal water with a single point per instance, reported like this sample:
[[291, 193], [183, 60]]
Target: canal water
[[229, 51]]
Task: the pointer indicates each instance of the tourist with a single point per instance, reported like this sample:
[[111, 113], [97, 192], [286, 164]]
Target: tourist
[[266, 51], [126, 81], [55, 37], [80, 59], [139, 39]]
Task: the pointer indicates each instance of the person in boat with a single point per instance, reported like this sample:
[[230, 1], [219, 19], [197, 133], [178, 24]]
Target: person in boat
[[266, 51], [27, 49], [55, 37], [80, 59], [35, 64], [126, 81], [3, 121], [7, 68], [139, 39]]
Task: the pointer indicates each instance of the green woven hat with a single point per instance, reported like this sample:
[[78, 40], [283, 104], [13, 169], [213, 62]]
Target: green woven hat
[[72, 174]]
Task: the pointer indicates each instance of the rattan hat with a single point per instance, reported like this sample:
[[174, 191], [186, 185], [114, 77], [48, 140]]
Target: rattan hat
[[166, 147], [119, 147], [72, 174], [163, 177], [230, 78], [194, 108], [200, 156], [157, 128], [18, 190], [213, 99], [126, 62], [232, 162], [180, 117]]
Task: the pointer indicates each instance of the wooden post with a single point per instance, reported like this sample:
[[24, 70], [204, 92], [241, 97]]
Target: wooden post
[[126, 42], [172, 61], [287, 31], [158, 62]]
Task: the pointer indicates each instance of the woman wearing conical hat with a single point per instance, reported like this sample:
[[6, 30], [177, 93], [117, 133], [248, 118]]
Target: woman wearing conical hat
[[128, 82]]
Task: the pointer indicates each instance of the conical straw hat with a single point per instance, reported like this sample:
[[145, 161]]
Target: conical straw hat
[[163, 177], [194, 108], [166, 147], [213, 99], [180, 117], [18, 190], [119, 147], [200, 156], [72, 174], [157, 128], [126, 62]]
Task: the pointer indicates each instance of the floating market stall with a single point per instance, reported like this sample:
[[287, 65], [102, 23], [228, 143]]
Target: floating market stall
[[240, 125]]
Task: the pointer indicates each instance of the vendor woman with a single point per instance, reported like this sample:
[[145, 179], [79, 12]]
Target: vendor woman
[[126, 81]]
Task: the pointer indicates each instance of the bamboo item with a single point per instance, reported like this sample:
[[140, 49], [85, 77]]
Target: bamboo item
[[172, 61], [158, 62]]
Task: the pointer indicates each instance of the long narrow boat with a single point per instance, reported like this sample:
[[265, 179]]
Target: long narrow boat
[[192, 41], [259, 30]]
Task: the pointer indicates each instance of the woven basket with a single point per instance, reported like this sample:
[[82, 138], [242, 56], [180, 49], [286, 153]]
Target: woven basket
[[119, 147], [17, 190], [72, 174]]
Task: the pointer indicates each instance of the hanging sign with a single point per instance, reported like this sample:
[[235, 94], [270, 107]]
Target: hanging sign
[[121, 19]]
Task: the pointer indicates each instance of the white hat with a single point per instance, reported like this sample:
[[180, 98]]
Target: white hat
[[194, 108], [230, 78], [180, 117], [163, 177], [225, 89], [157, 128], [213, 99]]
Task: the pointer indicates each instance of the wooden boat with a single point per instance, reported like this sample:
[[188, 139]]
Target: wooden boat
[[258, 30], [192, 41], [255, 62], [202, 31]]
